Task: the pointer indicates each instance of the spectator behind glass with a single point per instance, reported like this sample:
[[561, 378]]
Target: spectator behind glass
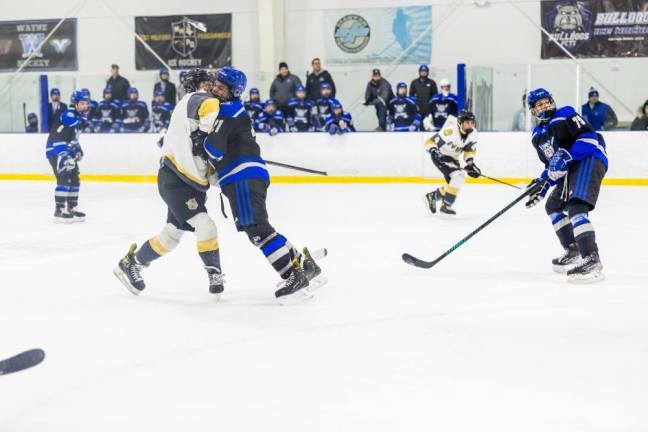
[[32, 123], [118, 84], [54, 108], [442, 105], [422, 89], [135, 113], [160, 113], [253, 105], [520, 116], [107, 116], [283, 87], [378, 93], [598, 114], [641, 121], [316, 78], [166, 87]]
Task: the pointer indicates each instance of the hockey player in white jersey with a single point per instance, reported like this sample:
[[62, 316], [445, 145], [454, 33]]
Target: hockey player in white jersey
[[183, 180], [457, 138]]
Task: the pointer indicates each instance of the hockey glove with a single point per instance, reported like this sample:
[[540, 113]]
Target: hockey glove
[[66, 162], [472, 170], [413, 128], [540, 192], [435, 153], [559, 165], [273, 131], [333, 129], [197, 139]]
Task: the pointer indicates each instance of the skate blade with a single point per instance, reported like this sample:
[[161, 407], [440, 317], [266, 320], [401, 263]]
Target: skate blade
[[216, 297], [584, 280], [61, 221], [124, 280], [317, 282], [78, 219], [564, 269], [301, 296]]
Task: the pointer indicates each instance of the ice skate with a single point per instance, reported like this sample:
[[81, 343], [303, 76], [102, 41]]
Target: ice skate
[[77, 216], [313, 272], [447, 209], [567, 261], [431, 200], [128, 271], [590, 270], [216, 281], [295, 287], [62, 217]]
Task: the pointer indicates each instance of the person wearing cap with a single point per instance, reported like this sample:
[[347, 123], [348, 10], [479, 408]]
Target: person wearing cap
[[299, 115], [316, 79], [107, 116], [283, 87], [135, 113], [160, 113], [442, 105], [598, 114], [54, 108], [118, 84], [32, 123], [422, 89], [167, 88], [322, 106], [253, 105], [378, 93], [640, 123]]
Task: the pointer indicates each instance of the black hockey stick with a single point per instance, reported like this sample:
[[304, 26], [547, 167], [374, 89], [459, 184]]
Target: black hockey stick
[[409, 259], [21, 361], [297, 168], [500, 181]]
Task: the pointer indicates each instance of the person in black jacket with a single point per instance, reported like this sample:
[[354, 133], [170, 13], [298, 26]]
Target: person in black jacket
[[378, 94], [54, 108], [32, 123], [422, 89], [315, 79], [118, 84], [167, 87], [641, 121]]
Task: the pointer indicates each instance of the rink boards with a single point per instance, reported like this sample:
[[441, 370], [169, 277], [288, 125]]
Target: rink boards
[[369, 157]]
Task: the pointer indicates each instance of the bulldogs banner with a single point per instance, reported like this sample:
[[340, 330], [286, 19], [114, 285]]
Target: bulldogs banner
[[379, 35], [184, 41], [595, 28], [19, 39]]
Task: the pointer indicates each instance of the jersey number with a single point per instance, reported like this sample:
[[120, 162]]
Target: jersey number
[[579, 121]]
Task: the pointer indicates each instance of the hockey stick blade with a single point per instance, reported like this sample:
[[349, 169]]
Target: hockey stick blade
[[22, 361], [412, 260]]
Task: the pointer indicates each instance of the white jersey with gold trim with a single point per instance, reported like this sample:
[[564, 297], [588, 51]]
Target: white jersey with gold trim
[[450, 142]]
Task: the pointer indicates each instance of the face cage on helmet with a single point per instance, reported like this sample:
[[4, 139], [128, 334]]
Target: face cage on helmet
[[550, 109]]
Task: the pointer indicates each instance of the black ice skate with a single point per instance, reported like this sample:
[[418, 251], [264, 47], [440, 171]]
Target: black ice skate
[[446, 209], [570, 259], [128, 271], [77, 216], [588, 271], [312, 271], [432, 199], [295, 287], [216, 281], [62, 217]]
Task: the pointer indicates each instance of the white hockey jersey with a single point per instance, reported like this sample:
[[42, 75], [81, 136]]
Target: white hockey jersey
[[195, 111], [450, 142]]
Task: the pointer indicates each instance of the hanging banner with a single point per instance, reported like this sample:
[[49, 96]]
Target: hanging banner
[[379, 35], [184, 41], [19, 39], [594, 28]]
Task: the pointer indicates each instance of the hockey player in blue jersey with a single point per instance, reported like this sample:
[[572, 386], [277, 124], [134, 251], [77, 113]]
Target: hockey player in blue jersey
[[299, 113], [575, 162], [160, 113], [442, 105], [322, 107], [64, 153], [271, 120], [135, 113], [90, 113], [107, 116], [403, 113], [338, 121], [253, 105]]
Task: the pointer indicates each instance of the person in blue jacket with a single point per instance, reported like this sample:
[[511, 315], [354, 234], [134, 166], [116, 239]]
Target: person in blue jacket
[[598, 114]]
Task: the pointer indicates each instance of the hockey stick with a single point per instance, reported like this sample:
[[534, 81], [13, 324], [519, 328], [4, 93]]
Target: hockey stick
[[409, 259], [308, 170], [21, 361], [500, 181]]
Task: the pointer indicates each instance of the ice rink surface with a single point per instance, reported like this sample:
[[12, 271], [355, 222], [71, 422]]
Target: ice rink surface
[[489, 340]]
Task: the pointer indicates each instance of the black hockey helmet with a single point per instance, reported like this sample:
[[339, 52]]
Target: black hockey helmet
[[192, 79], [465, 115]]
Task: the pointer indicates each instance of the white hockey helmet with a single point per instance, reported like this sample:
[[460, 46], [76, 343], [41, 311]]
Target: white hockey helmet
[[444, 82]]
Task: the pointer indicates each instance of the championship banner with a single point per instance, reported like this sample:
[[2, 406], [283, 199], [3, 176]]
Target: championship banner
[[19, 39], [379, 35], [595, 28], [184, 41]]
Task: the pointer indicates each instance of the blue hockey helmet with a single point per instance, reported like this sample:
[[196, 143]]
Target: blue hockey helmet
[[164, 71], [401, 85], [299, 88], [55, 91], [132, 90], [424, 67], [335, 104], [537, 95], [80, 95], [254, 90], [69, 118], [234, 79], [107, 90], [325, 85]]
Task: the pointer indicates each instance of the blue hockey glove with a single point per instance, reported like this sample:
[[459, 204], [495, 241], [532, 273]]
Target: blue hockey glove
[[273, 131], [333, 129], [559, 165], [540, 192]]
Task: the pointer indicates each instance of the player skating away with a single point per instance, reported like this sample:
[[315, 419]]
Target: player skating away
[[64, 153], [575, 162], [457, 138], [235, 155], [183, 180]]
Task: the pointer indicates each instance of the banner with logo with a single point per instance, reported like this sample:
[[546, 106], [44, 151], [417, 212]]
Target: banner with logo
[[184, 41], [379, 35], [19, 39], [595, 28]]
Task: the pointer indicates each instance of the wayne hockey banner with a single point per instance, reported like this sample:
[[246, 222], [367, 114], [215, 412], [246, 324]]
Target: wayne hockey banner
[[184, 41], [19, 39], [378, 35], [595, 28]]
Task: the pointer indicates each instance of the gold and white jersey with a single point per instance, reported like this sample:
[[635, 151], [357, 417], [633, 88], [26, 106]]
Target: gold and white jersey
[[450, 142], [197, 110]]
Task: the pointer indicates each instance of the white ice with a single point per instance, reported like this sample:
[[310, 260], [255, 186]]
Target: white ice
[[490, 340]]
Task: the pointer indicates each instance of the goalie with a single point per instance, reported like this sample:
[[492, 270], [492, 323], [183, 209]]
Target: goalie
[[457, 137]]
